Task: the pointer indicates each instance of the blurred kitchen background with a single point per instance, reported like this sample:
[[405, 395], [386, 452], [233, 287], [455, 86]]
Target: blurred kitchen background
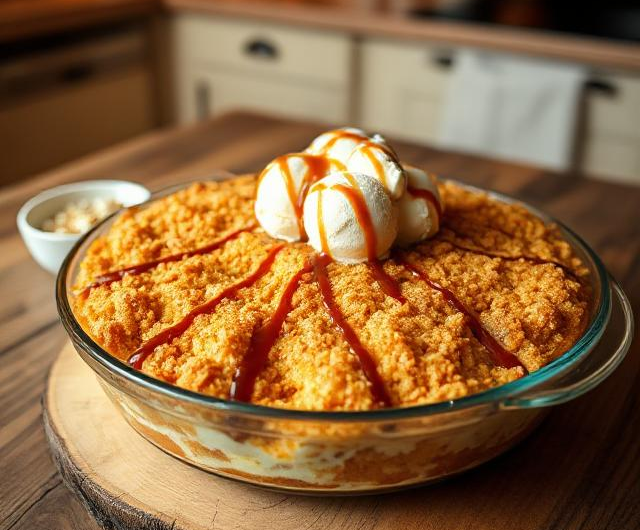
[[547, 83]]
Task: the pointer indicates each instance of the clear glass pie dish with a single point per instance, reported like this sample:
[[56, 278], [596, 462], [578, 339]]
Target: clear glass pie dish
[[354, 452]]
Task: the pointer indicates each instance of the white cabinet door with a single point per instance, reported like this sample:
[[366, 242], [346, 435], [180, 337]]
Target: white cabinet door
[[403, 88], [612, 127], [265, 48], [217, 91], [226, 64]]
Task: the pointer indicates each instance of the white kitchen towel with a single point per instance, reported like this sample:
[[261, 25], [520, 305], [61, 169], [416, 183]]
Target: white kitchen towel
[[513, 108]]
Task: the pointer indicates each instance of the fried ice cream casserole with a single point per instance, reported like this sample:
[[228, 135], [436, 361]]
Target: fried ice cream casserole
[[447, 297]]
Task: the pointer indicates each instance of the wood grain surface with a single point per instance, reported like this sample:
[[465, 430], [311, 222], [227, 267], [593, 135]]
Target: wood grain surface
[[21, 19], [579, 470]]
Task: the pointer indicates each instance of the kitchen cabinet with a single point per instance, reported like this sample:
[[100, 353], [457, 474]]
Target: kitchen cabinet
[[404, 88], [45, 131], [611, 134], [61, 99], [384, 84], [224, 64]]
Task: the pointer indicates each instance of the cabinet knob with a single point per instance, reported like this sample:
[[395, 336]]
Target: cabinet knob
[[442, 60], [261, 48], [601, 86]]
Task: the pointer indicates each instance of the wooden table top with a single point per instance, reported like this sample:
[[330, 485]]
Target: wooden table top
[[579, 470]]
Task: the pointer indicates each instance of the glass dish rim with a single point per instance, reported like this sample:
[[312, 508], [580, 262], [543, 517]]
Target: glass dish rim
[[581, 348]]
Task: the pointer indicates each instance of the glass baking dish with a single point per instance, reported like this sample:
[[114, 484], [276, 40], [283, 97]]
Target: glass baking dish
[[354, 452]]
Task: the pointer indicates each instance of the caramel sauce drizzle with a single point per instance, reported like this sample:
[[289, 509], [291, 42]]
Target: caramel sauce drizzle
[[321, 275], [486, 227], [114, 276], [356, 137], [499, 354], [317, 167], [356, 199], [354, 195], [262, 341], [322, 231], [387, 283], [363, 215], [506, 257], [342, 135], [283, 165], [138, 357], [256, 357], [427, 196], [368, 151], [367, 147]]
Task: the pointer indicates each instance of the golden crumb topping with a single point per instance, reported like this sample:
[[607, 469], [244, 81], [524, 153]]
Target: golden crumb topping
[[199, 319]]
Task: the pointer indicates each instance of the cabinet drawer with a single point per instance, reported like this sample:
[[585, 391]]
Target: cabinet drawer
[[612, 157], [403, 88], [216, 92], [264, 48], [45, 130], [613, 111]]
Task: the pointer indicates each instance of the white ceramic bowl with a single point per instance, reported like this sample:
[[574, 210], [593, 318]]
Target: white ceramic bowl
[[49, 248]]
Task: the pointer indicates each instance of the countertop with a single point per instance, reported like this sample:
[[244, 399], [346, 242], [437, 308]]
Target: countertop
[[20, 18], [33, 18], [357, 18], [579, 470]]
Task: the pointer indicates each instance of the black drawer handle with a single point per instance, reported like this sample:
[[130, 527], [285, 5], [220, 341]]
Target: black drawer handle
[[262, 49], [601, 86], [442, 60]]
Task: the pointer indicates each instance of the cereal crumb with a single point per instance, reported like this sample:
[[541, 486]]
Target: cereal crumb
[[516, 273]]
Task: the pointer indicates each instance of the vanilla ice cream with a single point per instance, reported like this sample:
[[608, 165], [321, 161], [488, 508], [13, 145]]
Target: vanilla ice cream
[[281, 191], [419, 208], [350, 217], [349, 195], [376, 159]]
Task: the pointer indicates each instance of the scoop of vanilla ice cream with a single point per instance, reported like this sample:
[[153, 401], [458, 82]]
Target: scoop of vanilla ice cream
[[345, 238], [417, 218], [339, 143], [375, 159], [275, 205]]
